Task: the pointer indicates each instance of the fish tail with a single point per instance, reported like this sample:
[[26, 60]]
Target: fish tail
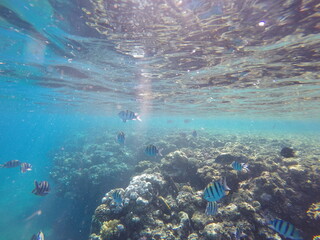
[[1, 166], [245, 168], [231, 165], [266, 218], [160, 152], [225, 184], [138, 118]]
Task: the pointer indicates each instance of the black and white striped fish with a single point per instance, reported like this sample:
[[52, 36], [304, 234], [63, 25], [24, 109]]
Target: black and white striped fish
[[11, 164], [24, 167], [194, 133], [117, 198], [216, 190], [212, 208], [128, 115], [41, 188], [121, 138], [38, 236], [240, 166], [286, 229], [151, 150]]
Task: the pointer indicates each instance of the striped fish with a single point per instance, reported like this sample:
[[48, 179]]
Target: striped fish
[[38, 236], [286, 229], [194, 133], [10, 164], [41, 188], [121, 138], [128, 115], [216, 190], [117, 198], [24, 167], [152, 151], [212, 208], [240, 166]]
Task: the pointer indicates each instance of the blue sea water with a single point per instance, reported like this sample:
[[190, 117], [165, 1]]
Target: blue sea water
[[31, 137], [65, 70]]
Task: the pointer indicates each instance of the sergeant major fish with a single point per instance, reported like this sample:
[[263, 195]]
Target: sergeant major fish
[[121, 138], [10, 164], [152, 151], [24, 167], [128, 115], [286, 229], [117, 198], [240, 166], [194, 133], [41, 188], [212, 208], [38, 236], [216, 190]]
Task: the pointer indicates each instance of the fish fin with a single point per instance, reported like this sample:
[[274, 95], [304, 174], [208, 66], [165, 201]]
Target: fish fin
[[225, 184], [245, 168], [36, 186], [41, 235], [160, 152], [138, 118], [267, 218]]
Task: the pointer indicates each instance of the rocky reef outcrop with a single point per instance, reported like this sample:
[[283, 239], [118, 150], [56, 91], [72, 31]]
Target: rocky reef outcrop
[[82, 169], [314, 211], [164, 200]]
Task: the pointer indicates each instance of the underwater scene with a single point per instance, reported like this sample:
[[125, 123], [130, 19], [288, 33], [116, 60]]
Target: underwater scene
[[160, 119]]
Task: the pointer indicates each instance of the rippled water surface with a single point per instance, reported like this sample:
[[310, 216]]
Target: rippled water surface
[[256, 58]]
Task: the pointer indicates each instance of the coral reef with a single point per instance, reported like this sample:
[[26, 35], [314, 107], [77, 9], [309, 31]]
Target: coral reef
[[165, 199], [179, 166], [86, 169], [287, 152], [111, 229], [314, 211]]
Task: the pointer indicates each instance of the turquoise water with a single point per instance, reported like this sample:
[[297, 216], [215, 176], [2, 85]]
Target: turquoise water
[[33, 137], [68, 67]]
